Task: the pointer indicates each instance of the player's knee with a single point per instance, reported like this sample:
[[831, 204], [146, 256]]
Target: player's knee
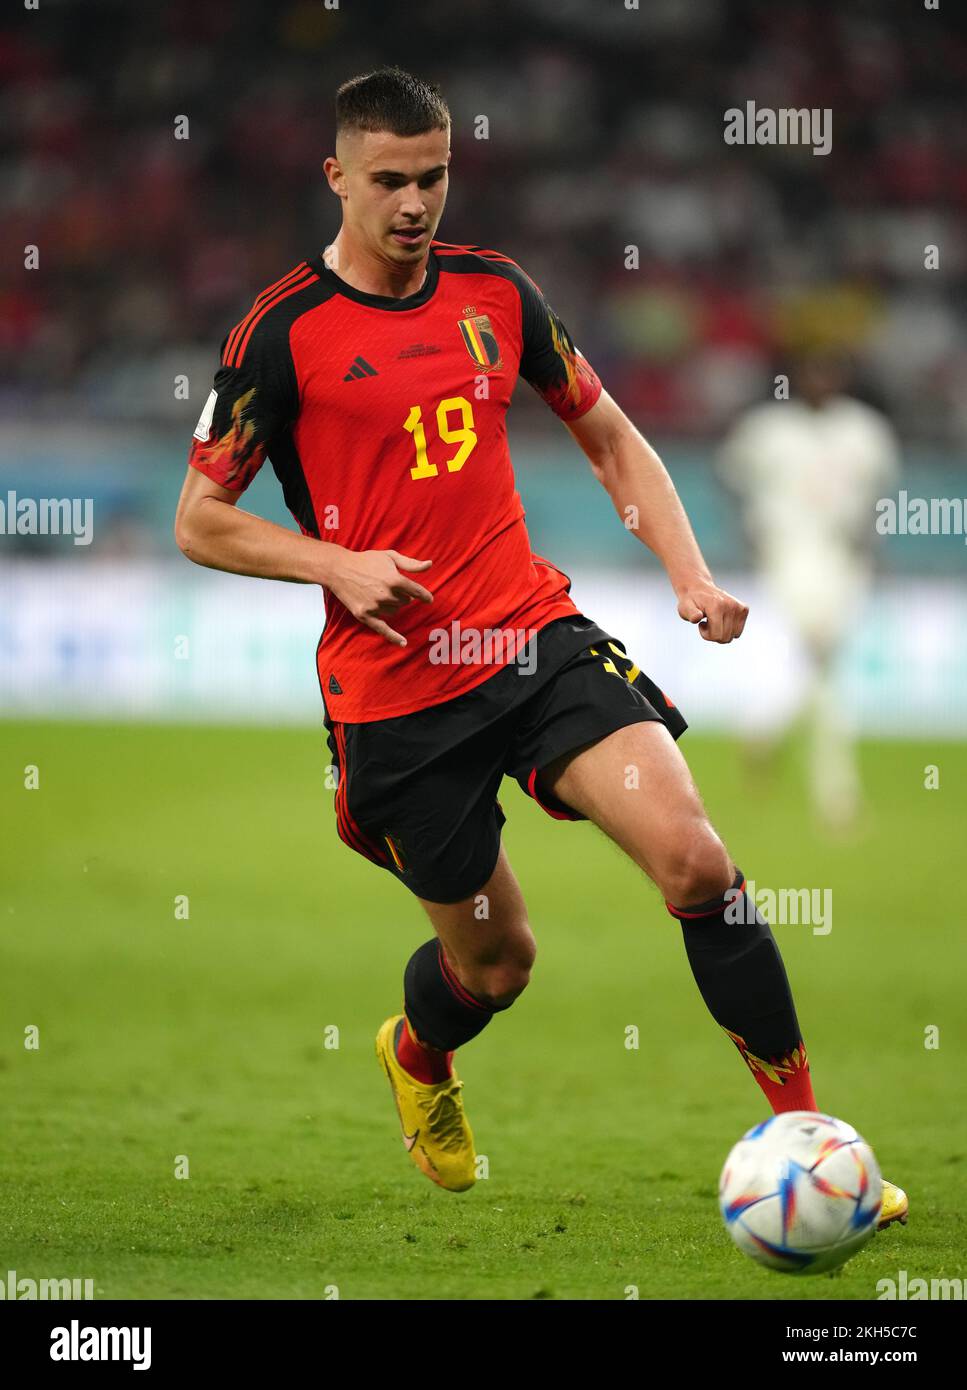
[[697, 869], [499, 983]]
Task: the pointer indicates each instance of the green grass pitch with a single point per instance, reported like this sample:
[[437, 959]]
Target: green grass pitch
[[206, 1037]]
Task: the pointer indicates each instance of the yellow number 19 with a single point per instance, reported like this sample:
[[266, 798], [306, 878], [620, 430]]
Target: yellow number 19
[[464, 435]]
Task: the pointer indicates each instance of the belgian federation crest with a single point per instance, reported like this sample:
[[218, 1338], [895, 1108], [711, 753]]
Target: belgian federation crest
[[481, 342]]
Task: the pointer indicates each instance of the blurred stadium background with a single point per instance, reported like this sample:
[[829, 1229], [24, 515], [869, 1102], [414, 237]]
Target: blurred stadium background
[[605, 132], [164, 1036]]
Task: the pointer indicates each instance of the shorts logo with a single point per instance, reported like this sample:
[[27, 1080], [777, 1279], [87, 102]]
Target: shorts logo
[[204, 427], [394, 850], [480, 341], [630, 675]]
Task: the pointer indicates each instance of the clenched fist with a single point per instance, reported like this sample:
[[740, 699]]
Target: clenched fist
[[720, 617]]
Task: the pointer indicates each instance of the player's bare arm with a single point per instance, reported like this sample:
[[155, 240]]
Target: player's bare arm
[[212, 530], [634, 477]]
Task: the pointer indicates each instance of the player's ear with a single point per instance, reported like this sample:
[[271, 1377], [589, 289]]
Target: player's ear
[[335, 175]]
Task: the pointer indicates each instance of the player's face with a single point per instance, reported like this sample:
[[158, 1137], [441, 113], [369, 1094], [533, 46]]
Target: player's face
[[820, 377], [395, 188]]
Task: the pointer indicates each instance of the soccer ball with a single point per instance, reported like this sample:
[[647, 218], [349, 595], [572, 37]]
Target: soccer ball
[[801, 1192]]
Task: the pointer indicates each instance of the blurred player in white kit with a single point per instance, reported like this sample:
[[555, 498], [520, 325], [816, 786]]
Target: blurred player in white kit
[[807, 472]]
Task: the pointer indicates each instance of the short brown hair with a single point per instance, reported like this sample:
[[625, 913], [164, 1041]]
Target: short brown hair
[[390, 99]]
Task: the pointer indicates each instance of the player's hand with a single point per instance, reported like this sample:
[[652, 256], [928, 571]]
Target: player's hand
[[719, 616], [370, 585]]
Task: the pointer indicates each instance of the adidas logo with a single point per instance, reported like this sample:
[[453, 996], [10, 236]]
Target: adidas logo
[[360, 368], [334, 687]]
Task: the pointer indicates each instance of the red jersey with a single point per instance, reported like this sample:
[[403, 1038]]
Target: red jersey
[[385, 422]]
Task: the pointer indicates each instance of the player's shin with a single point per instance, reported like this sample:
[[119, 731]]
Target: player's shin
[[739, 971], [440, 1015]]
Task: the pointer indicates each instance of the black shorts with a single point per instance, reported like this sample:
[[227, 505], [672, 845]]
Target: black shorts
[[417, 794]]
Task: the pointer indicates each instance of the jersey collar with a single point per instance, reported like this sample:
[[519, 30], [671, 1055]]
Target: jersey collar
[[381, 301]]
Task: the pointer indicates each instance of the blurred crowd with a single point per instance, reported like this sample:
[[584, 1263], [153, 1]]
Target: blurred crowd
[[688, 270]]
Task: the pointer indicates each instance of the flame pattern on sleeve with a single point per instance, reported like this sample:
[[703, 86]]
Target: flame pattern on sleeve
[[580, 387], [558, 372], [234, 457]]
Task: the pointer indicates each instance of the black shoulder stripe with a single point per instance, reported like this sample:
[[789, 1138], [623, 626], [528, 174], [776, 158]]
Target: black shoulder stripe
[[275, 316]]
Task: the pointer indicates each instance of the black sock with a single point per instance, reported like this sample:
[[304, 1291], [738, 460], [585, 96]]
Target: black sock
[[739, 971], [442, 1013]]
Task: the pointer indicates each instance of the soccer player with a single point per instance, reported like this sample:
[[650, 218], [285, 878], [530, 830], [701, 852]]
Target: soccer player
[[807, 472], [376, 378]]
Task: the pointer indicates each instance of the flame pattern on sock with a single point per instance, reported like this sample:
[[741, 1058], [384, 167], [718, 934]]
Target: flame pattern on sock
[[776, 1069]]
